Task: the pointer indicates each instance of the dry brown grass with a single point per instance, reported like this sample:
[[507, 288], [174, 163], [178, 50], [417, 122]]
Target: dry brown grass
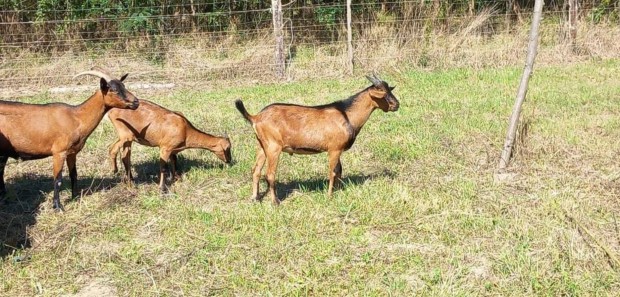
[[420, 213]]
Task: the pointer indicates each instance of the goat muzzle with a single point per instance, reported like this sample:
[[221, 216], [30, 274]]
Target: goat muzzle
[[134, 104]]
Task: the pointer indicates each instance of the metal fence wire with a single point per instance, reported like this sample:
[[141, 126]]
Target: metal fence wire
[[232, 41]]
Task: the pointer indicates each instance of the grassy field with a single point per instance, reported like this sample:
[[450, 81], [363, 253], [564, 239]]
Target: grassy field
[[421, 211]]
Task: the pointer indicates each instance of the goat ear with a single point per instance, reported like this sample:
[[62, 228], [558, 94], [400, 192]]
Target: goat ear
[[124, 76], [376, 93], [103, 85]]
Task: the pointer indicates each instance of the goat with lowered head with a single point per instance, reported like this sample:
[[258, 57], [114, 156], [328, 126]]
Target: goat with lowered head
[[297, 129], [156, 126], [36, 131]]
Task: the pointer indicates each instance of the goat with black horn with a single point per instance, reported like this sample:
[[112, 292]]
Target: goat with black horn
[[297, 129]]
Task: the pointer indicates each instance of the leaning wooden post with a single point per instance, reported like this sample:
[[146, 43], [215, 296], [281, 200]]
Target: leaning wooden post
[[276, 7], [527, 72], [349, 37]]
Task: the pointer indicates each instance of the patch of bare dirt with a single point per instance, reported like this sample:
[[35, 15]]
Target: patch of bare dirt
[[96, 288]]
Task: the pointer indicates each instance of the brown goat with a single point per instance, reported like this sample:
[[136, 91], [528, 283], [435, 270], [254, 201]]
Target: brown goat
[[155, 126], [330, 128], [36, 131]]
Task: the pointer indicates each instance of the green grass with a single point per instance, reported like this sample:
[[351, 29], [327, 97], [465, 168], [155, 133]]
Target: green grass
[[420, 213]]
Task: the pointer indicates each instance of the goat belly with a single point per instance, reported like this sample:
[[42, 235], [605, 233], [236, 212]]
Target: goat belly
[[27, 157], [145, 142], [301, 150]]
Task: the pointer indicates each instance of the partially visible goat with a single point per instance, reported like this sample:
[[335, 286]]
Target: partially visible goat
[[330, 128], [36, 131], [155, 126]]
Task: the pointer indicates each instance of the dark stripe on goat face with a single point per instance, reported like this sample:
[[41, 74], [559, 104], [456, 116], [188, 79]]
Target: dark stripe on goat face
[[393, 103], [391, 100], [119, 89]]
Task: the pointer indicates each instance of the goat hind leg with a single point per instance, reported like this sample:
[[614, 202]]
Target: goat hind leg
[[256, 170], [126, 158], [113, 154], [174, 174], [272, 163], [338, 177]]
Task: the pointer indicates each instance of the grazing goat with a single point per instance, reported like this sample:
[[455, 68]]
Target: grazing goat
[[330, 128], [155, 126], [36, 131]]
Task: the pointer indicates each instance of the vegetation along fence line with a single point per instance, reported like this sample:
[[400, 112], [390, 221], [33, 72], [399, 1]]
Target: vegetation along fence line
[[239, 41]]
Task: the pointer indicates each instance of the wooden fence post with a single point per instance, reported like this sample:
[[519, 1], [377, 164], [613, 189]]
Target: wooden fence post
[[573, 12], [349, 37], [527, 72], [279, 62]]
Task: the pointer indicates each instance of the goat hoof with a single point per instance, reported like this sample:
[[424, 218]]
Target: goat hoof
[[256, 199], [59, 208]]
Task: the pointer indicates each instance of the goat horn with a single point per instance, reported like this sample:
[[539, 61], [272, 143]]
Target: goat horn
[[374, 80], [95, 73], [101, 69]]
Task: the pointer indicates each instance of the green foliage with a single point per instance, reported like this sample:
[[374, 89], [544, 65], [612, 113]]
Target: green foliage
[[102, 21], [328, 15], [604, 10]]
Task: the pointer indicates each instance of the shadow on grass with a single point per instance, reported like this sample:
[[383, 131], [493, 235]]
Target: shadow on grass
[[147, 172], [21, 206], [284, 190]]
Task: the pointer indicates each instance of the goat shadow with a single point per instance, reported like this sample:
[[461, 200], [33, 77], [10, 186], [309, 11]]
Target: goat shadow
[[21, 205], [147, 171], [285, 190]]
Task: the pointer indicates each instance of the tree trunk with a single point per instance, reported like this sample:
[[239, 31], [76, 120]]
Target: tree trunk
[[279, 62], [527, 72], [349, 37]]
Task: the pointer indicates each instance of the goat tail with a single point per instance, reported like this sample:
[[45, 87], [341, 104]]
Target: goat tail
[[243, 111]]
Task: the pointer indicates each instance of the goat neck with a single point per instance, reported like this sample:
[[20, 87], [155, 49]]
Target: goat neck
[[91, 112], [360, 110], [198, 139]]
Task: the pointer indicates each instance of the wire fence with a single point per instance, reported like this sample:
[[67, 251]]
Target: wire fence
[[188, 48]]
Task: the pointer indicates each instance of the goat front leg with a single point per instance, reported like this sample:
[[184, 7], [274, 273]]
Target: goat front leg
[[164, 158], [272, 155], [258, 167], [3, 160], [71, 160], [335, 170], [59, 161]]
